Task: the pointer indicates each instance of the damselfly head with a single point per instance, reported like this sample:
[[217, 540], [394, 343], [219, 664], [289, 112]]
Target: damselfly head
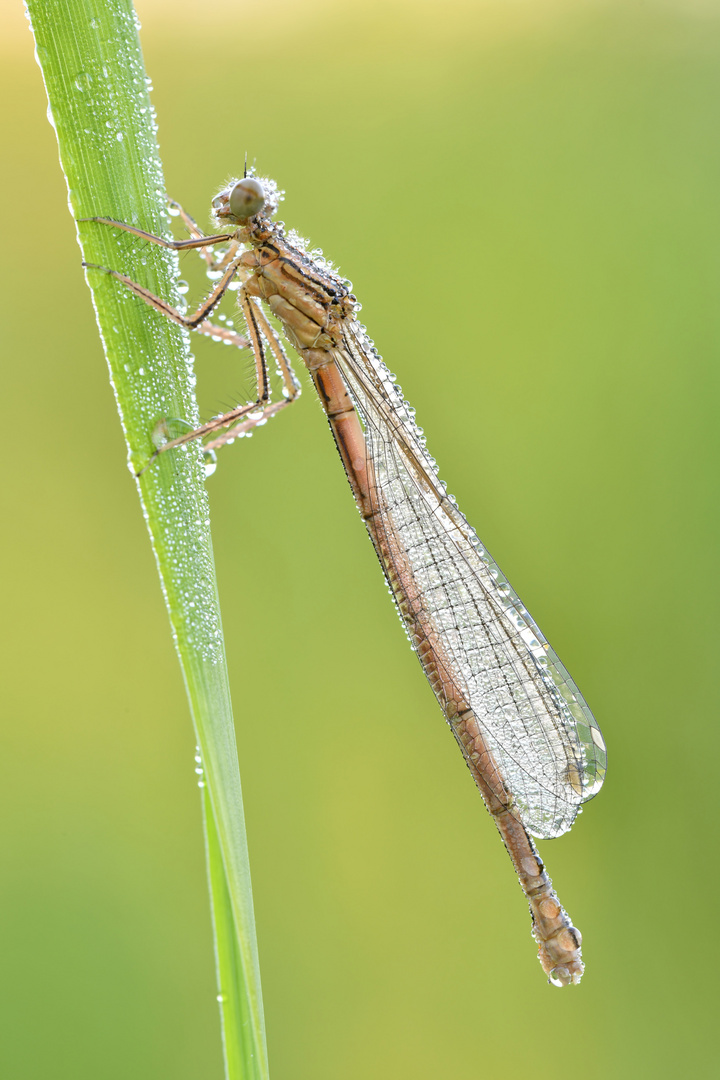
[[239, 201], [243, 199]]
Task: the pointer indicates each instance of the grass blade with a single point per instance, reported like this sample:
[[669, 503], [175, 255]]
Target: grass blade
[[90, 56]]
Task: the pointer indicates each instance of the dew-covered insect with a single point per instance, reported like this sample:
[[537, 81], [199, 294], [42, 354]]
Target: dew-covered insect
[[527, 736]]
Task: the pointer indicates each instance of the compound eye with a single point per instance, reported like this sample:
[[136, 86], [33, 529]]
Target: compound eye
[[247, 198]]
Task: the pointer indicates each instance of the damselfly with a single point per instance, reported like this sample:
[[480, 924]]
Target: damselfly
[[527, 736]]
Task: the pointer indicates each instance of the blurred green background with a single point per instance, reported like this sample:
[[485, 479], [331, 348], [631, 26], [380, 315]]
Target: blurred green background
[[525, 195]]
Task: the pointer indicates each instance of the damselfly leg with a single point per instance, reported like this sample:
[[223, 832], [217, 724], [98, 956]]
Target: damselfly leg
[[261, 335], [198, 320]]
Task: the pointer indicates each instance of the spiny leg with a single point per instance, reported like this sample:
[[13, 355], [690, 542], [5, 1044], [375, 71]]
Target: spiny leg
[[242, 420], [198, 319], [197, 241], [291, 383], [262, 377]]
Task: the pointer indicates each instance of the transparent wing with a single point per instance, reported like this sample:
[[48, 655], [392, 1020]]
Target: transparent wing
[[542, 735]]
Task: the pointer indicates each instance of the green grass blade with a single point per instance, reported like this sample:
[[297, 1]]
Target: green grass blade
[[234, 1003], [91, 60]]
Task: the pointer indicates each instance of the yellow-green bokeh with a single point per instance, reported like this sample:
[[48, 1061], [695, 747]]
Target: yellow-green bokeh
[[525, 196]]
